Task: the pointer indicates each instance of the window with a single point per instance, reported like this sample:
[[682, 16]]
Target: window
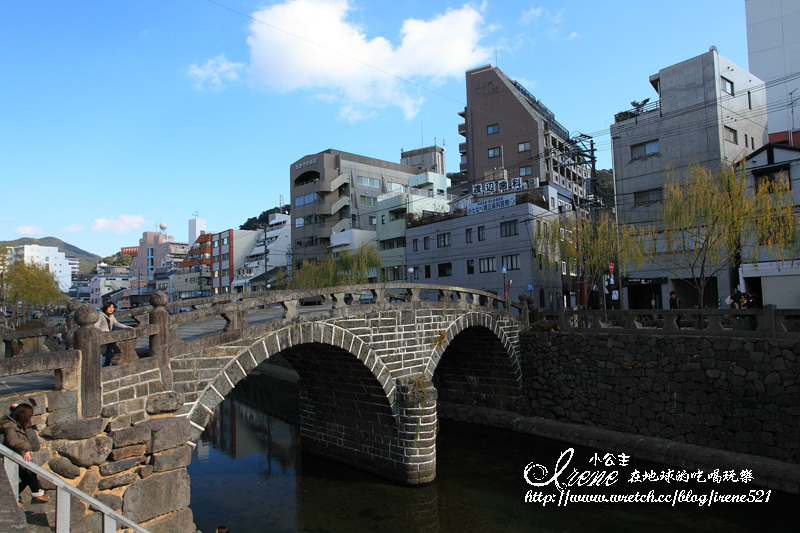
[[445, 270], [524, 147], [442, 240], [470, 266], [525, 171], [494, 152], [305, 199], [427, 271], [426, 243], [224, 241], [468, 234], [650, 195], [394, 186], [486, 264], [731, 135], [368, 200], [369, 182], [224, 257], [644, 149], [373, 221], [508, 228], [415, 245], [299, 222], [727, 85], [749, 100], [224, 273], [216, 244], [511, 262], [492, 129], [481, 233]]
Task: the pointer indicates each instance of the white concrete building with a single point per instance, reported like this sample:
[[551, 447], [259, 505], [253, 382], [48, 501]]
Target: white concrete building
[[46, 256], [773, 52], [277, 237], [426, 194]]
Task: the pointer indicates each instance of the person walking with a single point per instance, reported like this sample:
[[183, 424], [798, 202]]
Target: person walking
[[674, 303], [15, 432], [107, 322]]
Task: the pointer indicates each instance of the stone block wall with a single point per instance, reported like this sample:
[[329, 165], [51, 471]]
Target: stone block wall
[[127, 387], [734, 394], [138, 470]]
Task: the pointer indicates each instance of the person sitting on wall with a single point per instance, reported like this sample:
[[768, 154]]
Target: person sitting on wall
[[106, 323]]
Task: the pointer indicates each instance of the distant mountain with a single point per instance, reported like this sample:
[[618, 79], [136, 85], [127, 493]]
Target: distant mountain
[[88, 261]]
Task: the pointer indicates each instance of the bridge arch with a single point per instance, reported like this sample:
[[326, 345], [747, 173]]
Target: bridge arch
[[477, 360], [287, 340]]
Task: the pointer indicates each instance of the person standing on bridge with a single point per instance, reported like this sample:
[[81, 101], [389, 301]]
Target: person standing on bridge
[[106, 323], [15, 432]]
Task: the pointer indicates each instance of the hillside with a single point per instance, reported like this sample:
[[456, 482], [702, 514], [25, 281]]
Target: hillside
[[88, 261]]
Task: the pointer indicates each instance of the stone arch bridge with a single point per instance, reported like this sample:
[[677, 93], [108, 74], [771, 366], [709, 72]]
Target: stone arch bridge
[[372, 361]]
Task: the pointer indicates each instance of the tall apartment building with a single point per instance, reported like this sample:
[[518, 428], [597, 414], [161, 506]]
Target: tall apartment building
[[510, 134], [708, 111], [157, 253], [46, 256], [335, 193], [229, 250], [773, 52]]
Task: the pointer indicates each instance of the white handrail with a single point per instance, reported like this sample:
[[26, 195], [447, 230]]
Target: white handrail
[[63, 491]]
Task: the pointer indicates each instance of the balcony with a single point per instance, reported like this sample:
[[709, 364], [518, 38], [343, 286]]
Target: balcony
[[462, 129], [637, 111]]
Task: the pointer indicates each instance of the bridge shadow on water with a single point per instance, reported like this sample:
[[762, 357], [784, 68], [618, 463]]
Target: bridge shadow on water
[[249, 471]]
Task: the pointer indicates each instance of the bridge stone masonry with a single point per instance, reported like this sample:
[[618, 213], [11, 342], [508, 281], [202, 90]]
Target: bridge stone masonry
[[376, 372], [367, 368]]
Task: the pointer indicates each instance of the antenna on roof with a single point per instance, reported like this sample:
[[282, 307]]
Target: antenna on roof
[[196, 214]]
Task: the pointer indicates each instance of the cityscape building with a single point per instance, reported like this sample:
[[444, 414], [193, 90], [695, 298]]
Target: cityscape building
[[772, 280], [709, 112], [773, 53], [45, 256], [511, 135], [334, 197]]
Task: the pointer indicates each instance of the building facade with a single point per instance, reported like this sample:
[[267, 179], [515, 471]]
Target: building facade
[[276, 237], [426, 194], [334, 192], [709, 111], [430, 158], [773, 53], [45, 256], [771, 280], [229, 250], [473, 246], [510, 134]]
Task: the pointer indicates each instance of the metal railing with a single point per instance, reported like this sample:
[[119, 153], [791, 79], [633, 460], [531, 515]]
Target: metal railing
[[12, 461]]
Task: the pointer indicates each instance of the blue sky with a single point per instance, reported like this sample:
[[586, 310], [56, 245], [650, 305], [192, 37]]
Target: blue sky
[[116, 116]]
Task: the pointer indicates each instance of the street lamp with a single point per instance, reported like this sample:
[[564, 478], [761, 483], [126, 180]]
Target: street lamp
[[505, 287], [411, 274]]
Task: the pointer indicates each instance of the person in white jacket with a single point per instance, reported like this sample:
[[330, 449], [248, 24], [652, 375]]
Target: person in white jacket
[[106, 323]]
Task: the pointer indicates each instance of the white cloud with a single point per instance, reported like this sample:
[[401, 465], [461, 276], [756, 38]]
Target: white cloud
[[311, 44], [122, 224], [73, 228], [531, 14], [215, 73], [573, 35], [29, 230]]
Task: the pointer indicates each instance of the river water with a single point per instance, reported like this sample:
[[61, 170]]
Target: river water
[[249, 472]]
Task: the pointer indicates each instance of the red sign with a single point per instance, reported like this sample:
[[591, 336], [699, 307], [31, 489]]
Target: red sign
[[611, 268]]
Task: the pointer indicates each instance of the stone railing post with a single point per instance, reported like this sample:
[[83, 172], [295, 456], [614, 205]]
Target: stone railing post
[[768, 321], [87, 340], [160, 342], [72, 326]]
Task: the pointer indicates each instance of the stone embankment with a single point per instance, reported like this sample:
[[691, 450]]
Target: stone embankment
[[139, 470]]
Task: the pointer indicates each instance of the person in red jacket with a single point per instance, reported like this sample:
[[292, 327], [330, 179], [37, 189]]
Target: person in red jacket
[[15, 428]]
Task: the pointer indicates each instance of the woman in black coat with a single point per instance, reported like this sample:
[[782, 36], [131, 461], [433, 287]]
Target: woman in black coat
[[15, 431]]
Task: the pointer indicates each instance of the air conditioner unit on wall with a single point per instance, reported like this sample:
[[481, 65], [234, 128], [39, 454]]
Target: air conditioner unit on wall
[[533, 182]]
